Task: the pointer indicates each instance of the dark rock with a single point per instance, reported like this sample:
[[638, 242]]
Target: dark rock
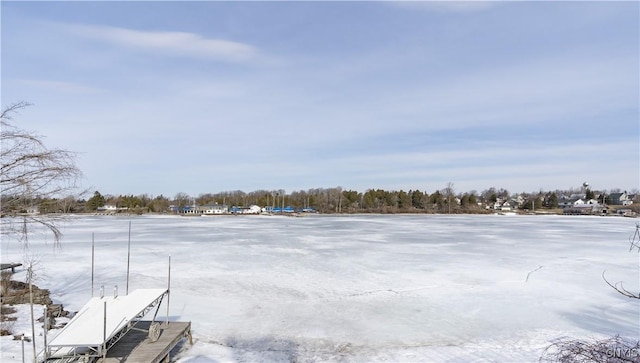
[[20, 337], [19, 294]]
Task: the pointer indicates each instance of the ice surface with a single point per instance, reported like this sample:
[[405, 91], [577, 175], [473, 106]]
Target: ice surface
[[402, 288]]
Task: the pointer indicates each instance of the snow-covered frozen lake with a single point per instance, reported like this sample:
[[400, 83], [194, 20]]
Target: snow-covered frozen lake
[[401, 288]]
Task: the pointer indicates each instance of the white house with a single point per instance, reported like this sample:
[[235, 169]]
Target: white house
[[505, 207], [107, 208], [253, 209], [620, 198], [214, 209]]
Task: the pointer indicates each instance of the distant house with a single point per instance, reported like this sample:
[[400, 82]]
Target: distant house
[[620, 199], [576, 202], [287, 209], [580, 206], [517, 201], [214, 209], [190, 209], [203, 210], [593, 202], [33, 210], [253, 209], [505, 207], [107, 208]]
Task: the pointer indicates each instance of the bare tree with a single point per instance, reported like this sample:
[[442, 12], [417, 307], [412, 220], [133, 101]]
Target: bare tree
[[31, 172], [449, 193], [182, 200]]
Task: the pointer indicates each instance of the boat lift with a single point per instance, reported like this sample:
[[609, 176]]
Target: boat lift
[[101, 323]]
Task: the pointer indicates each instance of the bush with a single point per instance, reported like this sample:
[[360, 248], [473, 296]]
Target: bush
[[611, 350]]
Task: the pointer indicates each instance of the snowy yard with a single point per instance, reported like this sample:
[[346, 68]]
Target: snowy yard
[[401, 288]]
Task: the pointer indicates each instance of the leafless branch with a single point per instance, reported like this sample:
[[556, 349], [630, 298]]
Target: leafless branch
[[611, 350], [619, 287], [30, 173]]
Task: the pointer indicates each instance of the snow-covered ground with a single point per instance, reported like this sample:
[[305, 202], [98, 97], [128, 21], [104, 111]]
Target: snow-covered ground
[[401, 288]]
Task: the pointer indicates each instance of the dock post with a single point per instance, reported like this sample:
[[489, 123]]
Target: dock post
[[33, 328], [92, 260], [128, 259], [46, 329], [104, 333], [168, 291]]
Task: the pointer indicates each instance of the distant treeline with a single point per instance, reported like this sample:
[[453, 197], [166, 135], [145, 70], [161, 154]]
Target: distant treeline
[[324, 200]]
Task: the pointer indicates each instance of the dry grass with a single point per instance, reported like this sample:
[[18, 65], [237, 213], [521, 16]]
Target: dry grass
[[7, 322]]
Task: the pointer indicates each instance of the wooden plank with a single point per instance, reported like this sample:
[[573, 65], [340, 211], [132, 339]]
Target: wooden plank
[[135, 346]]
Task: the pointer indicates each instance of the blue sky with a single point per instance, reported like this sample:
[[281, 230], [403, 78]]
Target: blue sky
[[203, 97]]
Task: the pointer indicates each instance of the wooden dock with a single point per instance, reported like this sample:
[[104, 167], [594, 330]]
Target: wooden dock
[[12, 266], [136, 347]]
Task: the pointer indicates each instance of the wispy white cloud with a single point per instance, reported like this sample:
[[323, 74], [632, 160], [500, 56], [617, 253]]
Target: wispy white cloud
[[180, 44]]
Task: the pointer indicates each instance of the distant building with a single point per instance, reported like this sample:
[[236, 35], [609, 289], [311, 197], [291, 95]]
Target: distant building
[[620, 199], [107, 208], [190, 209], [517, 201], [253, 209], [576, 202], [214, 209], [208, 209], [287, 209], [505, 207], [502, 205]]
